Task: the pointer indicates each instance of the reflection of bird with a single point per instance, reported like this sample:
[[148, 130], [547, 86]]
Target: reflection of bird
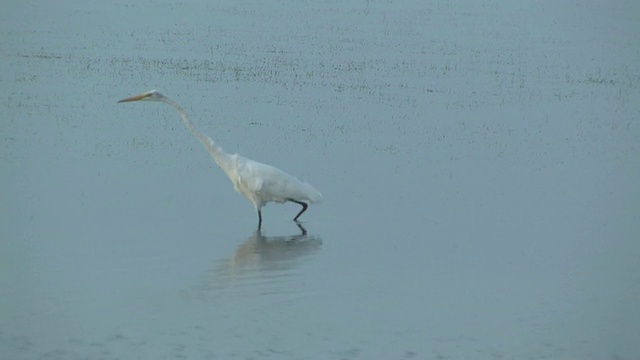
[[261, 265], [265, 253], [260, 183]]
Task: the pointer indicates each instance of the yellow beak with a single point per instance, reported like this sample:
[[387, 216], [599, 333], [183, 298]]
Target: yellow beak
[[134, 98]]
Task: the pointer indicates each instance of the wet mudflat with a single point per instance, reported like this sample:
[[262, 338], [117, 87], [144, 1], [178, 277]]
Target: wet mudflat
[[479, 164]]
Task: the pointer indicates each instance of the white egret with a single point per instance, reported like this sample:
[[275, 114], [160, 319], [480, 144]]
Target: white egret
[[259, 183]]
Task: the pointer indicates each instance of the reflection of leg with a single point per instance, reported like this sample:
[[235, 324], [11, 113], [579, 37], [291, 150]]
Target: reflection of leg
[[259, 218], [304, 208], [304, 231]]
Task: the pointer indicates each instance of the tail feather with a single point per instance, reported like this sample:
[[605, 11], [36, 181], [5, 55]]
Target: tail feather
[[313, 195]]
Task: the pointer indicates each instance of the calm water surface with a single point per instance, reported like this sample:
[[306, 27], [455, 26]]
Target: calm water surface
[[479, 163]]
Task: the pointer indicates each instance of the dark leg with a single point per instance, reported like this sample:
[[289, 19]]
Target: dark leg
[[304, 231], [304, 208], [259, 218]]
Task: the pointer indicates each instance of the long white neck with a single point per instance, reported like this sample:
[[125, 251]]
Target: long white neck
[[221, 158]]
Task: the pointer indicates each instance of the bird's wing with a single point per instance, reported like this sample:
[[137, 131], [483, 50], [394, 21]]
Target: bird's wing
[[267, 183], [273, 184]]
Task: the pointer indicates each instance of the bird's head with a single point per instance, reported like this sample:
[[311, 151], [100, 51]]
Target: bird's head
[[151, 95]]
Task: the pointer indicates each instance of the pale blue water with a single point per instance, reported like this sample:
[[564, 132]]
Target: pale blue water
[[479, 163]]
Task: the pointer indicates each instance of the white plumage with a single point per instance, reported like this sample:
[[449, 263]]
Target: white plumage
[[259, 183]]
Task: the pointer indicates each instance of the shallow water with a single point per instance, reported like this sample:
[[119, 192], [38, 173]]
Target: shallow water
[[479, 163]]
